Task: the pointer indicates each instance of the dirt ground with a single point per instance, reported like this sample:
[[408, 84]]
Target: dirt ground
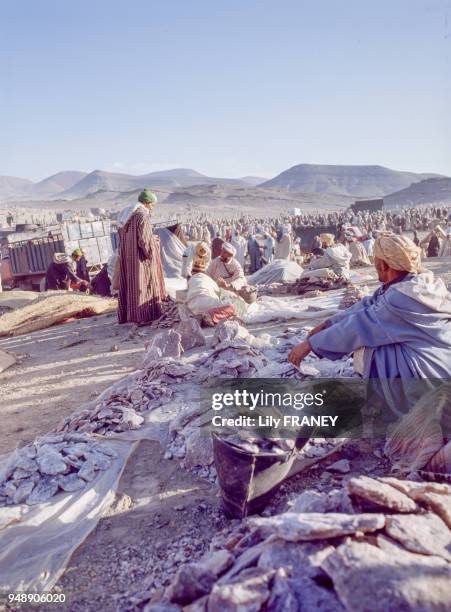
[[61, 368], [162, 516]]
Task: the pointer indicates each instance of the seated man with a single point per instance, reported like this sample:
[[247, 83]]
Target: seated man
[[402, 331], [207, 299], [199, 250], [335, 257], [60, 275], [226, 270]]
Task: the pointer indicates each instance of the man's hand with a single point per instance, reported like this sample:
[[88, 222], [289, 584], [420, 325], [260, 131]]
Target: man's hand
[[221, 283], [317, 329], [299, 353]]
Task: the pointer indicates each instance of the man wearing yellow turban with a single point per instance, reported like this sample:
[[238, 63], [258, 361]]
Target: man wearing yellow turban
[[402, 331]]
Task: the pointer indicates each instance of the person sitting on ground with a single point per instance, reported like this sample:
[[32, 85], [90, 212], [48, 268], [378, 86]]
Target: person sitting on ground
[[336, 257], [402, 331], [199, 250], [206, 299], [359, 256], [60, 275], [101, 283], [226, 270]]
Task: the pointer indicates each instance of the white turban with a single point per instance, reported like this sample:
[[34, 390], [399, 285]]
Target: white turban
[[61, 258], [229, 248]]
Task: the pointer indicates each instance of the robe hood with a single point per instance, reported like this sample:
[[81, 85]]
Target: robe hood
[[427, 290]]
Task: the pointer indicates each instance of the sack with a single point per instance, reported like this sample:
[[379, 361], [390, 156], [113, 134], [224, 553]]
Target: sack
[[248, 294]]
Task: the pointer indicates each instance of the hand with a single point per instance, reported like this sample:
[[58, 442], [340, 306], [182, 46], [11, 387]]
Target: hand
[[299, 353], [317, 329], [221, 283]]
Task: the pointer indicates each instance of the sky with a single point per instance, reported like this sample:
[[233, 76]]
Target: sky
[[227, 87]]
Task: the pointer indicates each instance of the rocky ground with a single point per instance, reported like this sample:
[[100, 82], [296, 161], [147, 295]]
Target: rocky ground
[[162, 516]]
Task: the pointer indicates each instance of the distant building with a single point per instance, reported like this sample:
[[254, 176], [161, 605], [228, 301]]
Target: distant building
[[368, 205]]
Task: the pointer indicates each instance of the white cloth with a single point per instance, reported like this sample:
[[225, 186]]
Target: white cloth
[[203, 294], [127, 212]]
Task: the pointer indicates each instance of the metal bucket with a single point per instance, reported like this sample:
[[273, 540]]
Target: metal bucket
[[249, 480]]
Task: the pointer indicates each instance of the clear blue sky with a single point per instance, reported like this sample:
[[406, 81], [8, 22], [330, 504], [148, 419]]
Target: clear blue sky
[[228, 87]]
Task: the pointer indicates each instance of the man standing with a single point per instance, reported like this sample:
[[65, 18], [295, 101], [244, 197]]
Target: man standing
[[216, 246], [141, 284], [226, 270], [283, 246], [81, 265], [253, 248], [269, 247], [241, 247]]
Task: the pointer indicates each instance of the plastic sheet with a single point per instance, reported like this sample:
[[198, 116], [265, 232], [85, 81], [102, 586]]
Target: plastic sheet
[[34, 551], [270, 308], [280, 271], [36, 542], [171, 251]]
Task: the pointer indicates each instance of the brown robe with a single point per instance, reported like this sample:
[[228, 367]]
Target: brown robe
[[141, 285]]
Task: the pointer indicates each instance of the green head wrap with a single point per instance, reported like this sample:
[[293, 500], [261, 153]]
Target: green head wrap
[[77, 252], [147, 197]]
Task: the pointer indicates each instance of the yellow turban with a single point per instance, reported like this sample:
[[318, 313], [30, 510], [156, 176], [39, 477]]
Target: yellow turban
[[327, 239], [398, 252]]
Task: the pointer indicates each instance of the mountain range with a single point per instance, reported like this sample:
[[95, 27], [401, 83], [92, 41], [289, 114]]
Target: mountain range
[[359, 181], [300, 181], [71, 184]]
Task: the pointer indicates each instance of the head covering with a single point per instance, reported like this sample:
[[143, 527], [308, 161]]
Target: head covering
[[201, 249], [327, 239], [398, 252], [77, 252], [199, 264], [147, 197], [61, 258], [229, 248]]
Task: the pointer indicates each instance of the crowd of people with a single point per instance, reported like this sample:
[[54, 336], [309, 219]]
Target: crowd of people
[[402, 331], [259, 241], [226, 250]]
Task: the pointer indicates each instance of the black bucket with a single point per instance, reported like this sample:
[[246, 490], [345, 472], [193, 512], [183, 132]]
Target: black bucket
[[249, 480]]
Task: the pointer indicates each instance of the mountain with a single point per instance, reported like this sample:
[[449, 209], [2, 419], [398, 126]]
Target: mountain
[[10, 186], [110, 181], [430, 191], [57, 182], [359, 181]]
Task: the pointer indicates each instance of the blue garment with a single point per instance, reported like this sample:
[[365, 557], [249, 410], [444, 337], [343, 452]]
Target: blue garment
[[254, 254], [269, 249], [405, 328], [407, 337]]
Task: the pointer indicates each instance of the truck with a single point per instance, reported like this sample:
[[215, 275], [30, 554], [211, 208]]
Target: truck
[[30, 253]]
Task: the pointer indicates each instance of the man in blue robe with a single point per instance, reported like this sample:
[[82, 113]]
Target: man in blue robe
[[402, 331]]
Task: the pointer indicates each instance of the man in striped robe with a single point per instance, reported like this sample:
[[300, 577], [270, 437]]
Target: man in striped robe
[[141, 284]]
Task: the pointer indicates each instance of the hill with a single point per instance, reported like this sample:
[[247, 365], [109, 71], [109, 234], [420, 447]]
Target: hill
[[57, 182], [12, 186], [109, 181], [359, 181], [430, 191]]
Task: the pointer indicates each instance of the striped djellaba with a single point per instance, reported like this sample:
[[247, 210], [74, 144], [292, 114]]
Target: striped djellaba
[[141, 285]]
